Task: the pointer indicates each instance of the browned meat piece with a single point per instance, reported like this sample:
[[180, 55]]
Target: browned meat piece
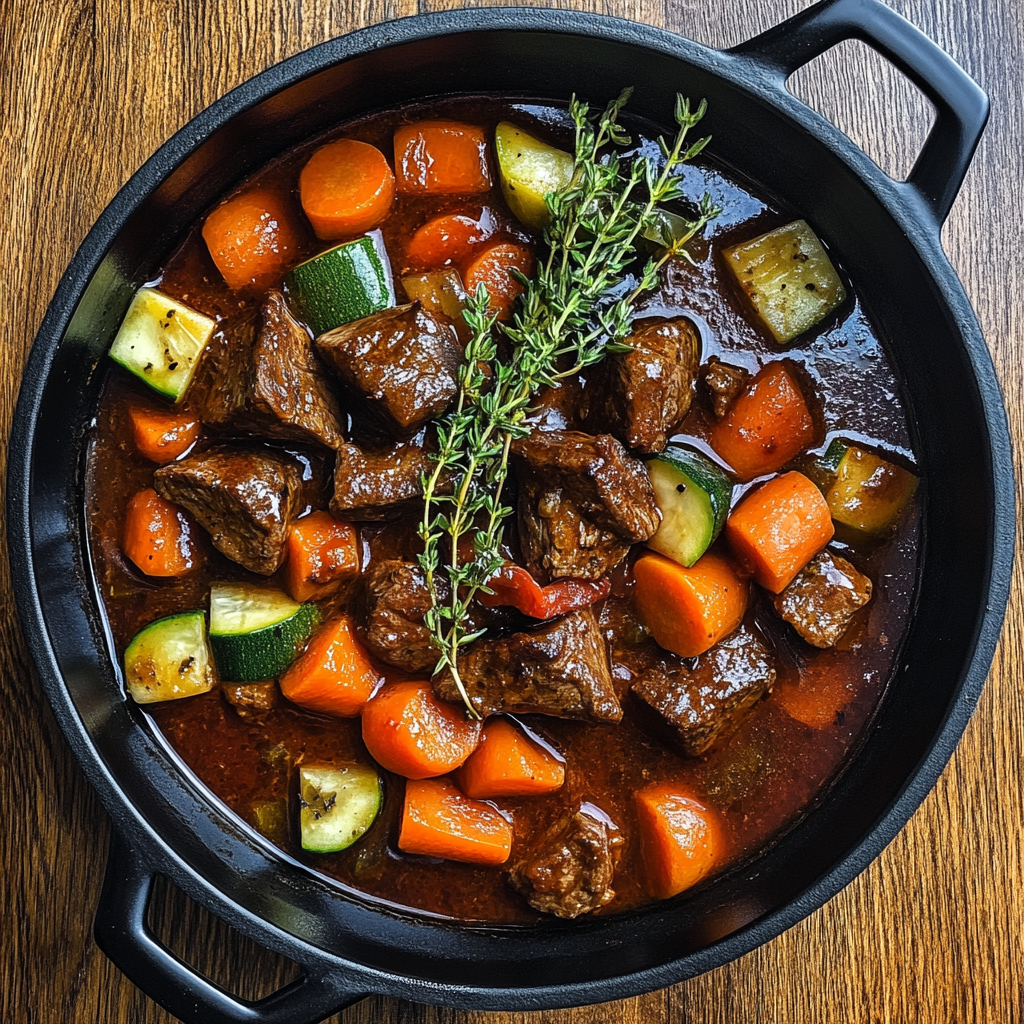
[[393, 599], [252, 702], [697, 706], [560, 669], [583, 501], [569, 871], [404, 360], [723, 383], [270, 382], [374, 485], [245, 499], [643, 396], [823, 598]]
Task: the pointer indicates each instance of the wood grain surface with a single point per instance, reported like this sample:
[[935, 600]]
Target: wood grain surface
[[931, 932]]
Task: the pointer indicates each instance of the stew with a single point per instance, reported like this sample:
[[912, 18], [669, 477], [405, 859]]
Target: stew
[[622, 650]]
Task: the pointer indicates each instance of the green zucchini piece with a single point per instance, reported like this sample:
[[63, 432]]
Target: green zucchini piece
[[256, 632], [346, 283], [530, 170], [338, 805], [160, 340], [788, 278], [693, 494], [169, 659], [869, 492], [822, 469]]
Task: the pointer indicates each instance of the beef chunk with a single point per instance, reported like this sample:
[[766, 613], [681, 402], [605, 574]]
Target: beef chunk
[[723, 383], [822, 599], [252, 702], [246, 500], [405, 361], [582, 502], [381, 484], [559, 669], [569, 871], [698, 705], [643, 395], [271, 381], [393, 599]]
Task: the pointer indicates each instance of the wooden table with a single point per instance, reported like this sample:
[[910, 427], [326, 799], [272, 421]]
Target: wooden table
[[931, 932]]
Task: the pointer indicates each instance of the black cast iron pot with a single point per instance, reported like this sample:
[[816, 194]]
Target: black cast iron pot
[[887, 236]]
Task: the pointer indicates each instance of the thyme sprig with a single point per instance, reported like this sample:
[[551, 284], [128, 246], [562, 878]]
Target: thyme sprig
[[577, 308]]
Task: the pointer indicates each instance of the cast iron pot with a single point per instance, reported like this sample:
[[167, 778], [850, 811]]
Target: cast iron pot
[[887, 236]]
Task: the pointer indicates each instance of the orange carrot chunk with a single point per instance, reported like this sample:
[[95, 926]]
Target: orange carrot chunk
[[410, 732], [493, 268], [766, 426], [778, 528], [818, 694], [508, 763], [158, 536], [162, 434], [438, 821], [689, 609], [681, 840], [322, 554], [346, 188], [333, 675], [450, 239], [441, 156]]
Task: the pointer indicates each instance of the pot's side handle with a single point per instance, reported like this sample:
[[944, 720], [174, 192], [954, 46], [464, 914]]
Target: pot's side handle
[[961, 105], [122, 933]]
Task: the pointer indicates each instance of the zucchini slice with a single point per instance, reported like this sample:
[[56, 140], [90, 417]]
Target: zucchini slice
[[256, 632], [346, 283], [788, 278], [693, 494], [160, 340], [169, 659], [338, 805], [530, 170]]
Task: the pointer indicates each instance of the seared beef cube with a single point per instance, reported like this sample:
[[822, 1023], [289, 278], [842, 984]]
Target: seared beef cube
[[405, 361], [393, 600], [698, 705], [252, 702], [245, 499], [560, 669], [643, 395], [569, 871], [375, 485], [583, 501], [223, 374], [823, 598], [723, 383]]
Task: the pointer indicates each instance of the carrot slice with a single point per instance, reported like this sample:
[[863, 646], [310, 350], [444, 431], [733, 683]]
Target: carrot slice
[[438, 821], [158, 536], [766, 426], [410, 732], [162, 434], [508, 763], [252, 238], [821, 692], [778, 528], [322, 554], [441, 156], [493, 268], [513, 585], [333, 675], [681, 840], [450, 238], [346, 188], [689, 609]]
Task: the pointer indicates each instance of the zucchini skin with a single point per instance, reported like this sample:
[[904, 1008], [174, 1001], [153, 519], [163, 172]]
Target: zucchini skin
[[263, 653]]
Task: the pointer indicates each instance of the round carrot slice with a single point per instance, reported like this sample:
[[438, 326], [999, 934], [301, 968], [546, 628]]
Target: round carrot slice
[[346, 188], [450, 238], [493, 269], [410, 732]]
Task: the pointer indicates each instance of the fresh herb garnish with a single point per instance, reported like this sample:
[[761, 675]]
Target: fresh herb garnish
[[578, 308]]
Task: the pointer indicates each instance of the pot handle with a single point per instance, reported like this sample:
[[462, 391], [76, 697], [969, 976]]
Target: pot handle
[[961, 104], [122, 933]]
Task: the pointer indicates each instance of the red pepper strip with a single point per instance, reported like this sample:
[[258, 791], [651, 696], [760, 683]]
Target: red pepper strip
[[515, 586]]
